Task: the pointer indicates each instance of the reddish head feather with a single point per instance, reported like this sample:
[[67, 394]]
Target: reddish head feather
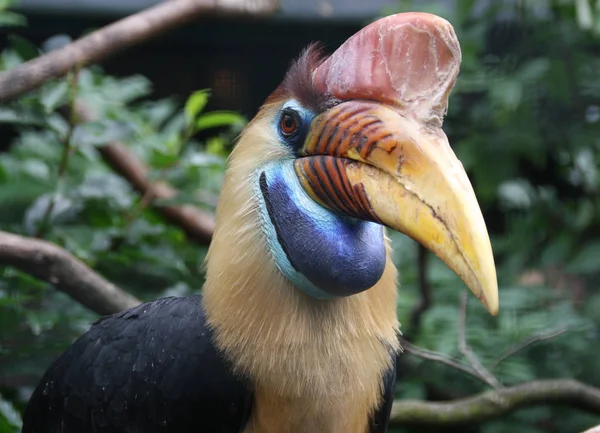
[[299, 84]]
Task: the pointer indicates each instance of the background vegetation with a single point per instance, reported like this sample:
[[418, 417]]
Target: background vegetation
[[524, 119]]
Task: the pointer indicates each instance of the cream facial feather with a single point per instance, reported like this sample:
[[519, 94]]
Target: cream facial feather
[[316, 366]]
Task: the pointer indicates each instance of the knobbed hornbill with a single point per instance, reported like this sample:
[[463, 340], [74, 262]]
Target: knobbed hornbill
[[296, 330]]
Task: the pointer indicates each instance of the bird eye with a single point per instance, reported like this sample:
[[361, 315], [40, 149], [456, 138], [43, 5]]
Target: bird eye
[[289, 123]]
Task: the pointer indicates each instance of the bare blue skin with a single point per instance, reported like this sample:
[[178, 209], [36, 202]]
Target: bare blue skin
[[324, 254]]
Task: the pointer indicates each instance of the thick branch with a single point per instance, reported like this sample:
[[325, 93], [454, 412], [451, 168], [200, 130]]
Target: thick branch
[[197, 224], [119, 36], [493, 404], [55, 265]]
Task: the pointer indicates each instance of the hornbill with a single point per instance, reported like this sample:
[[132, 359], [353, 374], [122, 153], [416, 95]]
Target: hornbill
[[296, 328]]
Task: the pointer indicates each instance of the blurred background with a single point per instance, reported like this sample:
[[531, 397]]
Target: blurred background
[[524, 119]]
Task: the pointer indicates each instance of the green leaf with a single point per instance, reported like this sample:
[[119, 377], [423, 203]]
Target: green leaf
[[164, 160], [55, 95], [23, 47], [6, 4], [218, 119], [585, 18], [201, 159], [101, 133], [557, 251], [29, 117], [171, 146], [12, 19], [465, 8], [587, 260], [10, 415], [195, 104], [507, 93], [516, 193], [533, 70], [132, 88], [216, 146], [59, 125], [160, 111]]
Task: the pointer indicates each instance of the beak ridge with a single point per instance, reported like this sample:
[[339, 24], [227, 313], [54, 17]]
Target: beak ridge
[[368, 161], [381, 154]]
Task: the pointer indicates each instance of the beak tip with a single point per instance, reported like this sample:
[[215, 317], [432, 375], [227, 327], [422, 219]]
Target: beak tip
[[492, 307], [489, 298]]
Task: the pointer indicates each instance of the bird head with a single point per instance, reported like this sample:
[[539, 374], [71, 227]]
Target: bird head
[[352, 143]]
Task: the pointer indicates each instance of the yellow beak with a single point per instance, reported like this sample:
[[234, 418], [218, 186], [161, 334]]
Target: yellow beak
[[369, 161]]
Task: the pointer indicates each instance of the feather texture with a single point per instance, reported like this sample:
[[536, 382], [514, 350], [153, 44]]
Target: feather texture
[[298, 82], [254, 354], [316, 366], [151, 369]]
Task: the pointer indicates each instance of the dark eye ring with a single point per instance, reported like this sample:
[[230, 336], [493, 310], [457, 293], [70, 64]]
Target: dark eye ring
[[289, 123]]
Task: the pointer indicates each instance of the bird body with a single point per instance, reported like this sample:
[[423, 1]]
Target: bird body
[[320, 358], [296, 328], [150, 369]]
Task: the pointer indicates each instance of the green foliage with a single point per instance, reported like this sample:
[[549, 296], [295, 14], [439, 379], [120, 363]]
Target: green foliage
[[89, 209], [524, 120], [10, 419], [10, 18]]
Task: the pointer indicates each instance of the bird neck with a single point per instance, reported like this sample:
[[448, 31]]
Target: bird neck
[[287, 343]]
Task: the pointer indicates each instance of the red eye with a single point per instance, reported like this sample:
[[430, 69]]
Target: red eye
[[288, 124]]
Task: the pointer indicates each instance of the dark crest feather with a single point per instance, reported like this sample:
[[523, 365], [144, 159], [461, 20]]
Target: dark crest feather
[[298, 81]]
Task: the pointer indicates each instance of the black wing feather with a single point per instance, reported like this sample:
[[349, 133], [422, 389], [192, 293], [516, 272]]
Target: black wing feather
[[381, 418], [150, 369]]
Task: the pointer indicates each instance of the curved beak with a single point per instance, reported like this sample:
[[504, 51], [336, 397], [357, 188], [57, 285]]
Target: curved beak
[[381, 155], [367, 161]]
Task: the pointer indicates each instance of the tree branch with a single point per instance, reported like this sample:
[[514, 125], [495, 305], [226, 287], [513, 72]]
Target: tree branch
[[68, 274], [478, 367], [440, 358], [197, 224], [119, 36], [526, 343], [496, 403], [51, 263]]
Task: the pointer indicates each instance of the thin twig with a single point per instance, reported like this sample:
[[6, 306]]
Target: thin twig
[[478, 367], [440, 358], [528, 342], [67, 151]]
